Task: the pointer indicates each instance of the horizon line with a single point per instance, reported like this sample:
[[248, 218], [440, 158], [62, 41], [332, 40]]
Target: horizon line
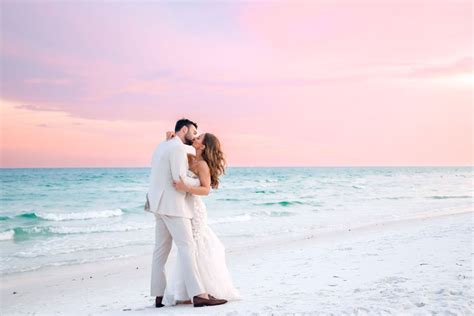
[[262, 166]]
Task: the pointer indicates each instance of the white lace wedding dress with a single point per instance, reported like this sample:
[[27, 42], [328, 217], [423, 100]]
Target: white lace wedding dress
[[210, 257]]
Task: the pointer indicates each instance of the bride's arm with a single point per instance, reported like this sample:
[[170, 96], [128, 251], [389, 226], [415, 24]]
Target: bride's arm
[[204, 177], [190, 151]]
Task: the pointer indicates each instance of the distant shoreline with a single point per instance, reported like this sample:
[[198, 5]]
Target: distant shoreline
[[249, 167]]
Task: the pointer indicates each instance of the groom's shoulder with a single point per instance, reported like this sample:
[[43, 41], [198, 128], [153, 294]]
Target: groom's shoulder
[[170, 146], [162, 147], [176, 146]]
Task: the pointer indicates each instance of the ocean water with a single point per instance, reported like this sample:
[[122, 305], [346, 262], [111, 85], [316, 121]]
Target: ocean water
[[52, 217]]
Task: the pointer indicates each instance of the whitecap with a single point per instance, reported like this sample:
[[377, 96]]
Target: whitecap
[[98, 229], [231, 219], [79, 215], [7, 235]]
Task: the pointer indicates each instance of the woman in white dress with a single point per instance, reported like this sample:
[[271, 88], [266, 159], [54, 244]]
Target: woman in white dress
[[205, 168]]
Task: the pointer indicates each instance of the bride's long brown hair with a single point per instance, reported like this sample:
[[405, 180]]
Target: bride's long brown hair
[[214, 157]]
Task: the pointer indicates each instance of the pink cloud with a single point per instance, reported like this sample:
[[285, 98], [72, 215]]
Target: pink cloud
[[460, 66], [47, 81]]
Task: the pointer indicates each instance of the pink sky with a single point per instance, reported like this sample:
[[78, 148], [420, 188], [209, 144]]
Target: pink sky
[[344, 83]]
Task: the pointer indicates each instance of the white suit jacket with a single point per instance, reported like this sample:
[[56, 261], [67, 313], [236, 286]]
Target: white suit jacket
[[169, 162]]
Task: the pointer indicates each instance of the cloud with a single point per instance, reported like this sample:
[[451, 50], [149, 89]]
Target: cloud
[[146, 100], [165, 59], [43, 108], [457, 67], [48, 81]]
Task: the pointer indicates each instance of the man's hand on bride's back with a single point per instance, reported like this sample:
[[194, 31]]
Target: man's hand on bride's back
[[169, 135], [180, 185]]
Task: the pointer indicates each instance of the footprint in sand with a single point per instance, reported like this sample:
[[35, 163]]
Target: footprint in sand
[[439, 291], [455, 292], [394, 280], [360, 309]]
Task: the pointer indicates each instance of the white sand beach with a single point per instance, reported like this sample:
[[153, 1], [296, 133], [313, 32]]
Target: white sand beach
[[414, 266]]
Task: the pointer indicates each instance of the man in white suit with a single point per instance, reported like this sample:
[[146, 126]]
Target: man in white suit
[[173, 216]]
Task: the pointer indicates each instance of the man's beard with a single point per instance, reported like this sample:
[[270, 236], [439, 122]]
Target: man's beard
[[188, 141]]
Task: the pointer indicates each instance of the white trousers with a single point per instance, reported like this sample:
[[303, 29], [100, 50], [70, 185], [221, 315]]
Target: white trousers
[[179, 230]]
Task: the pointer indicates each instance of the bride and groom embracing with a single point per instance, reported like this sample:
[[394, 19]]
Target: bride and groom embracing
[[183, 168]]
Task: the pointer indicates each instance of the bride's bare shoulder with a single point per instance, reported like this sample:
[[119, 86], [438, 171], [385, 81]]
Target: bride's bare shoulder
[[202, 166]]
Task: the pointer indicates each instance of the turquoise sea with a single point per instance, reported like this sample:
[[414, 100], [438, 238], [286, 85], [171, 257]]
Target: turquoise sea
[[54, 217]]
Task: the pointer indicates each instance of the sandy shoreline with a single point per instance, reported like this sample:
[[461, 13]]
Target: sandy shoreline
[[415, 266]]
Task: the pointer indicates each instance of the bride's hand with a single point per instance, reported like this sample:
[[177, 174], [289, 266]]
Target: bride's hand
[[169, 135], [180, 185]]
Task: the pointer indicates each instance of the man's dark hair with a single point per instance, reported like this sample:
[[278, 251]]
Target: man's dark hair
[[183, 122]]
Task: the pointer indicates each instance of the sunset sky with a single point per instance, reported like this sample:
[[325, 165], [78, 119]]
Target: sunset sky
[[342, 83]]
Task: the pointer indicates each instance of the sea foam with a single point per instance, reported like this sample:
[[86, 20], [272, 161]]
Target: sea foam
[[78, 215], [7, 235]]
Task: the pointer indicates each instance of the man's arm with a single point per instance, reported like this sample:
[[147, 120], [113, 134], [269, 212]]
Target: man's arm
[[204, 178], [190, 150], [178, 163]]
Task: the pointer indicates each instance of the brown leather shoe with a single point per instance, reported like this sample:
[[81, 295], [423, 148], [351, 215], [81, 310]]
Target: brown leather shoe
[[158, 301], [212, 301]]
